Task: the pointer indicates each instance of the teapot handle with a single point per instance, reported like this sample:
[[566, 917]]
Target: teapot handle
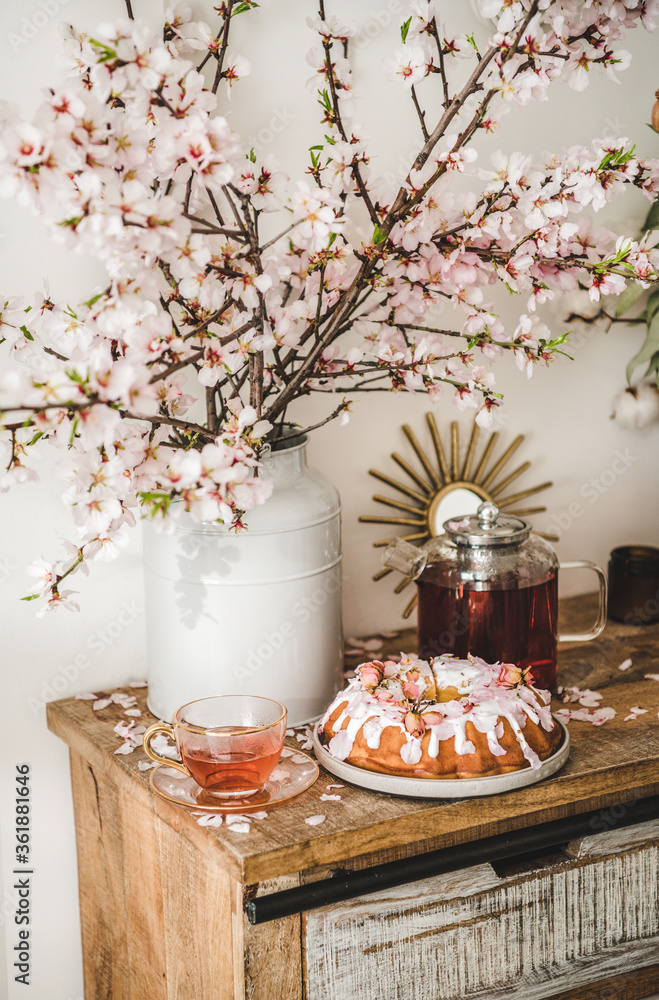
[[598, 627]]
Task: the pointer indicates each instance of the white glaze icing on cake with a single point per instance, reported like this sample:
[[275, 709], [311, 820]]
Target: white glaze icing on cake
[[495, 700]]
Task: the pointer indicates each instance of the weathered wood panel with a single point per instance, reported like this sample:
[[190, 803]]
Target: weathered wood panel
[[100, 885], [630, 986], [157, 910], [526, 938], [271, 952]]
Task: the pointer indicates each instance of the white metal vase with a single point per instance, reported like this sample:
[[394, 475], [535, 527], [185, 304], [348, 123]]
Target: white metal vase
[[256, 612]]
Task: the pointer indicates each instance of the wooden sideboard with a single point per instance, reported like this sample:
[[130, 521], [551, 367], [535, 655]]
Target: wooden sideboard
[[163, 899]]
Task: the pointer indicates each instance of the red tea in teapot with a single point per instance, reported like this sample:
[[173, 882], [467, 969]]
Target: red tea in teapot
[[489, 587], [514, 626]]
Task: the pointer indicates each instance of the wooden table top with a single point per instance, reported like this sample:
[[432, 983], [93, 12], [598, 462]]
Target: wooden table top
[[611, 763]]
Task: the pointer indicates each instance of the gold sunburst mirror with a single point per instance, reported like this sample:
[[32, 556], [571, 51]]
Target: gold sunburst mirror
[[446, 487]]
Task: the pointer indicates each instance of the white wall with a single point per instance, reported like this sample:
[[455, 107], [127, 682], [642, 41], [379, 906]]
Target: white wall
[[564, 412]]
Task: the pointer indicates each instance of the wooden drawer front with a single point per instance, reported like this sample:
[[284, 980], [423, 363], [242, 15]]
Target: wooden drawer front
[[474, 935]]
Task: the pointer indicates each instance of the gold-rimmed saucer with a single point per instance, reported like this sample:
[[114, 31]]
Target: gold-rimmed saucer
[[294, 773]]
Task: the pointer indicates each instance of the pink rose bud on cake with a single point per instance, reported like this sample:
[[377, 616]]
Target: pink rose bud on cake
[[415, 724], [509, 675], [411, 690], [386, 697], [370, 674]]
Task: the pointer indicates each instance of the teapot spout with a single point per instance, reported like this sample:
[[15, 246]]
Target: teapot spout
[[406, 558]]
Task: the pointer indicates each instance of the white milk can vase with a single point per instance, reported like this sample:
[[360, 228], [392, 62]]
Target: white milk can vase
[[257, 612]]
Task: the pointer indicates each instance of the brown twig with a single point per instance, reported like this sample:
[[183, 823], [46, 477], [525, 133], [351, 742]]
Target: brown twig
[[313, 427], [338, 121], [421, 114], [223, 46], [442, 68], [211, 228], [211, 198], [211, 412]]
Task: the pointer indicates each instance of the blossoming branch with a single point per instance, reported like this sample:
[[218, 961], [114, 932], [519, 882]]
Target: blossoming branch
[[166, 384]]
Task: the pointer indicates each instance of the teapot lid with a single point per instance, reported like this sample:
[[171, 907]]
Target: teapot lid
[[487, 527]]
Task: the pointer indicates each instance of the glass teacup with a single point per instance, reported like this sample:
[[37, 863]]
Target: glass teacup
[[228, 744]]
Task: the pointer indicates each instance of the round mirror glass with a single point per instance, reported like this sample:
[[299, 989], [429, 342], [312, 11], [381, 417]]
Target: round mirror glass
[[456, 503]]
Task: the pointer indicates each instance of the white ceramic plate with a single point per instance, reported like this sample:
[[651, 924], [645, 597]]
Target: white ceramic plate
[[442, 788]]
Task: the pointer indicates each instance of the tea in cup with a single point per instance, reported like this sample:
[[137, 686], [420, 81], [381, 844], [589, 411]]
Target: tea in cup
[[229, 744]]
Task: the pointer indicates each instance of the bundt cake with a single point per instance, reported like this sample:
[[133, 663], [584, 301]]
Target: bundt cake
[[450, 719]]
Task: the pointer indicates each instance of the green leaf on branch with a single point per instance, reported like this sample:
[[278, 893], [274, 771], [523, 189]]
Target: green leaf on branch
[[90, 303], [241, 8], [632, 292], [653, 367], [652, 219], [616, 158], [325, 101], [157, 502], [404, 28], [553, 345], [74, 221], [648, 350], [30, 597], [652, 306], [107, 53], [252, 155], [378, 235], [472, 42], [26, 333]]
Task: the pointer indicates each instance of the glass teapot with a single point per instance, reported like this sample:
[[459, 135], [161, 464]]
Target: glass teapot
[[490, 588]]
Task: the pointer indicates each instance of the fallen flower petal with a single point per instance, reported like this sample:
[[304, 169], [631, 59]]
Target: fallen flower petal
[[330, 798], [315, 820], [101, 703], [238, 823], [625, 665], [125, 748], [87, 696], [210, 820], [145, 765], [372, 644]]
